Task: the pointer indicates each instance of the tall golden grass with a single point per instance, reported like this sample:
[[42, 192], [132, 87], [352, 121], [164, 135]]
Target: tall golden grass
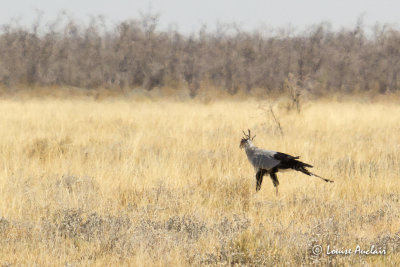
[[125, 182]]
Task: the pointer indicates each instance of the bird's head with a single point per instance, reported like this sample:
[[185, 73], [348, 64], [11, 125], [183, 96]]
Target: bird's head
[[246, 140]]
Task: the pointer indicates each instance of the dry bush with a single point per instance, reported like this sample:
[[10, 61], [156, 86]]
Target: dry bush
[[136, 54]]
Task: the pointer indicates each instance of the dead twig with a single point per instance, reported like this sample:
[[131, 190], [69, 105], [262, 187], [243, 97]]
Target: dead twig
[[276, 120]]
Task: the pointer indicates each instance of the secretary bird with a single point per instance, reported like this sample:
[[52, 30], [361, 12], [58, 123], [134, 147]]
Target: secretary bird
[[270, 162]]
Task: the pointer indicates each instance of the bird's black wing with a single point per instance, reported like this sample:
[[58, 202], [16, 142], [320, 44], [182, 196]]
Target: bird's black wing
[[283, 157], [289, 162]]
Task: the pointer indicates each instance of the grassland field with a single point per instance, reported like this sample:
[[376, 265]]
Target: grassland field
[[163, 183]]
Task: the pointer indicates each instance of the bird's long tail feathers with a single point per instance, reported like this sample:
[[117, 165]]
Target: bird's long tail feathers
[[305, 171]]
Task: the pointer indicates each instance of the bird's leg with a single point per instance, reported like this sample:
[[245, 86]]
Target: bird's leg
[[259, 177], [274, 179]]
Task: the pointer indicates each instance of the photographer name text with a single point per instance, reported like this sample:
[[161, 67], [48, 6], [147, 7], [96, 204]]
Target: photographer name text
[[356, 251]]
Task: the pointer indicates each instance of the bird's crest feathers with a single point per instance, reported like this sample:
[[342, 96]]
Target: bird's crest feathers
[[248, 136]]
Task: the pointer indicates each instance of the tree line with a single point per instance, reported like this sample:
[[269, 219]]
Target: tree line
[[135, 53]]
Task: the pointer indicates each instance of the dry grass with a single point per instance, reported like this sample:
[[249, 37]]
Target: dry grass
[[165, 183]]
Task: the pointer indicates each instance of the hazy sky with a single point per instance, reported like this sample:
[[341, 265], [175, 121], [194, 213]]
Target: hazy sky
[[188, 15]]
